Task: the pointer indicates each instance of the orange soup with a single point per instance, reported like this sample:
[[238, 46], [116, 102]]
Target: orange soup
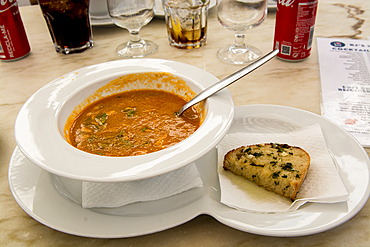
[[132, 123]]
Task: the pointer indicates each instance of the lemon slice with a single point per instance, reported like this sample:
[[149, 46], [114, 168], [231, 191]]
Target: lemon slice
[[177, 29]]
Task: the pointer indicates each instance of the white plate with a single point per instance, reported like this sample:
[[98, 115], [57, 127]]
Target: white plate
[[103, 18], [159, 9], [34, 192], [272, 4], [40, 123], [101, 21]]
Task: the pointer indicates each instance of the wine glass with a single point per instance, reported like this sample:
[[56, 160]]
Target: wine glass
[[240, 16], [132, 15]]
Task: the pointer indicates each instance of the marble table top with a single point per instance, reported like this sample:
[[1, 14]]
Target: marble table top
[[279, 83]]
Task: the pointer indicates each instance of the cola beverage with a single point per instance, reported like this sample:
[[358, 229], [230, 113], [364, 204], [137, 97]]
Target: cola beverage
[[69, 24]]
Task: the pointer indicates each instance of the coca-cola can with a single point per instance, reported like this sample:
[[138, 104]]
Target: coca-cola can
[[294, 28], [13, 39]]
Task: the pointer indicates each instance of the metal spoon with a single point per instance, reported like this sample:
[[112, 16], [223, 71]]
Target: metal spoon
[[227, 81]]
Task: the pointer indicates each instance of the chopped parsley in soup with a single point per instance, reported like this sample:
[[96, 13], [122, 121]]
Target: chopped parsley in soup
[[132, 123]]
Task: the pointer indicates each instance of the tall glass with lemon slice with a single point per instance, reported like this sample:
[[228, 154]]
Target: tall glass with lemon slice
[[186, 22]]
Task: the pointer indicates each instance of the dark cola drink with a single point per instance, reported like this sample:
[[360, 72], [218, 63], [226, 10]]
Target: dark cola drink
[[69, 24]]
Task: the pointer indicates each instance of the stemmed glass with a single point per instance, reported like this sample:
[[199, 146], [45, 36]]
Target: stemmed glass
[[132, 15], [240, 16]]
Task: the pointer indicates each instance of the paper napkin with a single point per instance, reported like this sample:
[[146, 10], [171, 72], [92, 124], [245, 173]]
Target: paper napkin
[[120, 194], [322, 184]]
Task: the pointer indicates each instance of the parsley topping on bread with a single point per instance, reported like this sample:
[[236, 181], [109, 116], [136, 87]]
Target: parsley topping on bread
[[276, 167]]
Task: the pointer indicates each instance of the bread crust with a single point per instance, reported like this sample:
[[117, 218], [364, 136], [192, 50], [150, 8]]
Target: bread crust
[[280, 168]]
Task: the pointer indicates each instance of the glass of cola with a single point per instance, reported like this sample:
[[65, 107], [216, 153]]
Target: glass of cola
[[69, 24]]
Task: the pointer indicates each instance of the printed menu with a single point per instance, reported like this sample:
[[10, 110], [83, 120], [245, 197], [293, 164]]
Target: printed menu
[[345, 84]]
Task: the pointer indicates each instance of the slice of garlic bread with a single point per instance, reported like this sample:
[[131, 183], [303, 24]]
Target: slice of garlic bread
[[276, 167]]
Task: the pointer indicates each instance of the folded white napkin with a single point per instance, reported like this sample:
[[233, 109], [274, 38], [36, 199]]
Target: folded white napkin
[[322, 184], [120, 194]]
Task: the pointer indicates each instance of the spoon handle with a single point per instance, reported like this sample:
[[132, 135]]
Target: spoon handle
[[228, 80]]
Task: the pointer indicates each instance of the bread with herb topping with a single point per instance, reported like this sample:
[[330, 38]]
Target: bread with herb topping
[[280, 168]]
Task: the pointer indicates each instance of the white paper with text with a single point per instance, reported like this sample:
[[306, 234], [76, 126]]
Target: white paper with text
[[345, 84]]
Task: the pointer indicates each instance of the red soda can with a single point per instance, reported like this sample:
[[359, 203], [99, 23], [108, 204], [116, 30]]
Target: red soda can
[[294, 27], [13, 39]]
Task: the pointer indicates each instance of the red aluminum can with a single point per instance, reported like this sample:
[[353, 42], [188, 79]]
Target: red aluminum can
[[13, 39], [294, 27]]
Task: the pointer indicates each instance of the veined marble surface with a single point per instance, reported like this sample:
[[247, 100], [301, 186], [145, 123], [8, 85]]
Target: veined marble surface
[[278, 82]]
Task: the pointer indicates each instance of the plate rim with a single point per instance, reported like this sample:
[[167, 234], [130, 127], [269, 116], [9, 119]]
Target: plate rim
[[220, 212]]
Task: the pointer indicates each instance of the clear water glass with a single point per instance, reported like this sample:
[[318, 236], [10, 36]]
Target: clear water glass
[[239, 16], [133, 15]]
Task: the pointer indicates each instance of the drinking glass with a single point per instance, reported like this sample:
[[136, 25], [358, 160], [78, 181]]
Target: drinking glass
[[240, 16], [186, 22], [132, 15], [69, 24]]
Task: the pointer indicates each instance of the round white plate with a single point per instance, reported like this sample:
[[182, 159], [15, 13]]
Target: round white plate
[[159, 9], [35, 193], [272, 4], [40, 122], [103, 21], [33, 190], [102, 18]]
